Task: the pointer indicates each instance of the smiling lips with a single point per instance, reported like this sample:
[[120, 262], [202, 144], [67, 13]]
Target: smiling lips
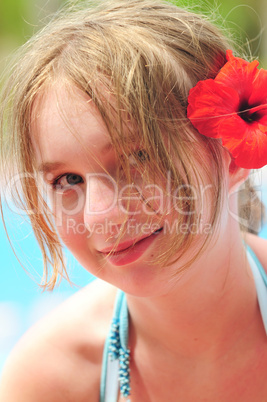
[[129, 251]]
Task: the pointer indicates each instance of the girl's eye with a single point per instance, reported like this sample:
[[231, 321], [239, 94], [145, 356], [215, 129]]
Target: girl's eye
[[140, 155], [67, 181]]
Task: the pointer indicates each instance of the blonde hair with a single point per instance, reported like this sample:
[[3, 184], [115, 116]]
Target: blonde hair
[[147, 54]]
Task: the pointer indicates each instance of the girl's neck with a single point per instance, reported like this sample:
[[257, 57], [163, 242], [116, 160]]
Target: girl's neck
[[209, 311]]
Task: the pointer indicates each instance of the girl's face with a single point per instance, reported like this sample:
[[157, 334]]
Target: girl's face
[[113, 229]]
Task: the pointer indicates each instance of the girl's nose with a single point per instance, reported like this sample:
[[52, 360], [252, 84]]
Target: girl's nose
[[101, 203]]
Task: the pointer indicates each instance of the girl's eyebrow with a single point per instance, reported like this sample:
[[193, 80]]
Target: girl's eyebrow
[[47, 167]]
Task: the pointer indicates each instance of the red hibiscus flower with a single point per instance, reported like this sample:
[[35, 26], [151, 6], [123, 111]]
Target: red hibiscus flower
[[233, 107]]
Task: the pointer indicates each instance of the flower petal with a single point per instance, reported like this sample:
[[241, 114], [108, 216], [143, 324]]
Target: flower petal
[[238, 74], [259, 93], [209, 103], [232, 128], [249, 144]]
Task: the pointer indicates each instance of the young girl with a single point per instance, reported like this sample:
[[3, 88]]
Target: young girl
[[131, 126]]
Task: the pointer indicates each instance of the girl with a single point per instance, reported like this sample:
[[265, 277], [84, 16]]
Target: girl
[[131, 126]]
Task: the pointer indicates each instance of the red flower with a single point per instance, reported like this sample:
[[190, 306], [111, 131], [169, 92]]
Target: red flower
[[233, 107]]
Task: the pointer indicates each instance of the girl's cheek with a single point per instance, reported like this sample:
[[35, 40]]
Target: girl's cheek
[[72, 229], [68, 209], [157, 199]]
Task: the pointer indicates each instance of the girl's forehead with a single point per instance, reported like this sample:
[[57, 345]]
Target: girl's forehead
[[66, 101], [62, 117]]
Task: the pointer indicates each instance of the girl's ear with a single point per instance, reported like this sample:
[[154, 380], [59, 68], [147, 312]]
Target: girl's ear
[[237, 176]]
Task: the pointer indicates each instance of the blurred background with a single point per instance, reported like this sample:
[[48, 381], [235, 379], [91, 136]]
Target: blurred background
[[21, 300]]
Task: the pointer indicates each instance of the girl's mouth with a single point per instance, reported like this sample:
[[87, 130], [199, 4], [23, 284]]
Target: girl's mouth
[[129, 252]]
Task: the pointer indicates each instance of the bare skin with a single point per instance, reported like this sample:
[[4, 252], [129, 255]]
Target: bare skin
[[60, 358]]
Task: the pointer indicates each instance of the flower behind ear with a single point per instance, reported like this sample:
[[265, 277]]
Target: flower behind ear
[[233, 107]]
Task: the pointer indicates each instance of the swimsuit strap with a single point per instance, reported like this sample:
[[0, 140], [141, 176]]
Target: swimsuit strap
[[260, 279], [116, 355], [109, 386]]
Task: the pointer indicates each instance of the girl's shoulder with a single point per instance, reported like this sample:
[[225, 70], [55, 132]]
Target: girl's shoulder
[[259, 246], [60, 358]]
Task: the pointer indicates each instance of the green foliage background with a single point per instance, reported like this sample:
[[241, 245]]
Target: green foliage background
[[19, 19]]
